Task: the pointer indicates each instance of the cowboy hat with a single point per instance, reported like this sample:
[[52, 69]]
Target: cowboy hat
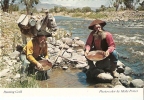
[[97, 21], [44, 33]]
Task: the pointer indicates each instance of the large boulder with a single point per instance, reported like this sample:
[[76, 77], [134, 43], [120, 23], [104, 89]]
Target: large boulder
[[137, 83], [104, 77], [125, 80]]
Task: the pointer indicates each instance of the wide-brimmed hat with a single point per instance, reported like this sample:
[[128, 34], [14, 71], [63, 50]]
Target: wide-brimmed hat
[[44, 33], [97, 21]]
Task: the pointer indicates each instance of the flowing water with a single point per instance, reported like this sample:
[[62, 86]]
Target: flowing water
[[129, 39]]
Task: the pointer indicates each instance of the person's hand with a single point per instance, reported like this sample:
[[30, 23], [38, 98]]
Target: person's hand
[[86, 52], [107, 53], [39, 66]]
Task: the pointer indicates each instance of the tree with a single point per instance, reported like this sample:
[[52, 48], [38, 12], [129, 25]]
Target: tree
[[129, 4], [5, 4], [117, 3], [56, 9], [141, 7], [86, 9], [102, 8], [29, 5]]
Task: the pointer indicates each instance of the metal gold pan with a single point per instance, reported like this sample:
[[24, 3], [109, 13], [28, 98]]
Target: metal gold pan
[[46, 65], [96, 55]]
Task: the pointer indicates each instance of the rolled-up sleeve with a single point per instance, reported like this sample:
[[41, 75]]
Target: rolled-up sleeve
[[28, 49], [89, 41]]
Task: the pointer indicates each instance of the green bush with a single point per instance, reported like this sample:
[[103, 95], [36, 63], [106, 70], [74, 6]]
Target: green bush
[[77, 15], [96, 15]]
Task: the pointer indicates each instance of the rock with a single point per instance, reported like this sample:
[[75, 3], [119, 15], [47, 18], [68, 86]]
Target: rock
[[76, 38], [80, 52], [64, 46], [8, 80], [81, 65], [120, 69], [5, 58], [70, 50], [79, 43], [125, 80], [105, 77], [128, 71], [67, 55], [17, 76], [68, 41], [115, 82], [14, 55], [137, 83], [51, 51], [119, 86], [103, 85], [119, 63], [56, 50], [4, 72], [77, 57], [59, 60], [65, 67], [58, 42]]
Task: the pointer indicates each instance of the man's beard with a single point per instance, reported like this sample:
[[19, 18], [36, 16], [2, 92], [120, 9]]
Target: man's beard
[[99, 35], [43, 44]]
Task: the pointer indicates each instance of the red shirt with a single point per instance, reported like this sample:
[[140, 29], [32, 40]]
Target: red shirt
[[110, 45]]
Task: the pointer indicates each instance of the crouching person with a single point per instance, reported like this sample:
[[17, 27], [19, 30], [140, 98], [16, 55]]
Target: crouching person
[[34, 50]]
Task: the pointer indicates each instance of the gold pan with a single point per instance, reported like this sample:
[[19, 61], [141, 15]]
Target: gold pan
[[46, 65], [96, 55]]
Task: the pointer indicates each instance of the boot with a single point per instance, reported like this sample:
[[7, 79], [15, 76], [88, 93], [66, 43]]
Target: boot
[[114, 73]]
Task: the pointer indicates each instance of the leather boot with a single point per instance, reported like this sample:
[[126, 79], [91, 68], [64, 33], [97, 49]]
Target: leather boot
[[114, 73]]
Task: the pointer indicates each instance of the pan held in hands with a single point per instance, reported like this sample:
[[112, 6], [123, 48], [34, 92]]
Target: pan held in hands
[[96, 55], [46, 65]]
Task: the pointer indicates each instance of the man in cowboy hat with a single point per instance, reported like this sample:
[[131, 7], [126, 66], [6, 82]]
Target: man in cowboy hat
[[102, 40], [35, 50]]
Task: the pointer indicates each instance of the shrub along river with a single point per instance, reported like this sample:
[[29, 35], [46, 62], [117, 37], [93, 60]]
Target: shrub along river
[[129, 39]]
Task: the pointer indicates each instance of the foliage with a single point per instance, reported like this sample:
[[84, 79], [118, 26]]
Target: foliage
[[77, 15], [5, 4], [32, 83], [29, 5], [96, 15], [86, 9], [129, 4], [102, 8], [141, 7]]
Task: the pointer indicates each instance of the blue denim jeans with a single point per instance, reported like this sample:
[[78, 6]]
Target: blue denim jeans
[[113, 57], [25, 63]]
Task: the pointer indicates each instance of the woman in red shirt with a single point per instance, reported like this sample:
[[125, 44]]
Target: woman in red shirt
[[102, 40]]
